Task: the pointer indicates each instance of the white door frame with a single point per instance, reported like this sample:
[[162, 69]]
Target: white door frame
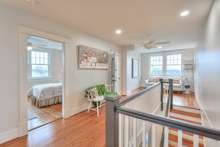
[[24, 32]]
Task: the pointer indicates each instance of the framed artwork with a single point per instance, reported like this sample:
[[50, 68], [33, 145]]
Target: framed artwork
[[92, 58], [135, 68]]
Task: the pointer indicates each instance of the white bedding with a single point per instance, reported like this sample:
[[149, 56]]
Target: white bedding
[[46, 91]]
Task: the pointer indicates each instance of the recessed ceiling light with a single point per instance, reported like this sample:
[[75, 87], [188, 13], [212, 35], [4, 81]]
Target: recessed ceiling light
[[118, 31], [185, 13], [159, 47]]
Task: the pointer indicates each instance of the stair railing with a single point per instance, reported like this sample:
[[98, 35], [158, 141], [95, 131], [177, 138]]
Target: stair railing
[[116, 113]]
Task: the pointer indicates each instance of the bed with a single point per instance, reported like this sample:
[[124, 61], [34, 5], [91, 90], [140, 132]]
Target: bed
[[46, 94]]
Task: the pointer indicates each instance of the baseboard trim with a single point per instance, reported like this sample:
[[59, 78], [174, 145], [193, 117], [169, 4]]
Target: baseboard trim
[[14, 133], [8, 135], [22, 130], [75, 110]]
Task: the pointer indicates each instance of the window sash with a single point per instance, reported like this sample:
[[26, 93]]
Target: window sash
[[156, 65], [40, 71], [39, 64], [156, 70], [39, 57], [167, 64], [174, 66]]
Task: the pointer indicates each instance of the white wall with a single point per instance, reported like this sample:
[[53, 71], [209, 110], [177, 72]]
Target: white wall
[[208, 67], [128, 83], [76, 81], [187, 58], [133, 83]]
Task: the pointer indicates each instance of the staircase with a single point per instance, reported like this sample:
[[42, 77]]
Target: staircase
[[131, 122], [178, 138]]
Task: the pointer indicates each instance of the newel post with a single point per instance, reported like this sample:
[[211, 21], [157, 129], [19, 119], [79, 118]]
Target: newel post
[[112, 122], [161, 94], [171, 92]]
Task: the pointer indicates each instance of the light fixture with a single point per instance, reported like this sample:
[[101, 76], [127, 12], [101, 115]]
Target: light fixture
[[159, 47], [185, 13], [118, 31], [29, 48]]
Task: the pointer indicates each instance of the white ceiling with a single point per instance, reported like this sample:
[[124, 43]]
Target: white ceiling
[[139, 19]]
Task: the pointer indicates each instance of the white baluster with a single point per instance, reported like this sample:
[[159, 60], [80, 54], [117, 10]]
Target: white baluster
[[121, 129], [126, 131], [134, 132], [143, 134], [166, 136], [154, 136], [180, 138], [195, 140]]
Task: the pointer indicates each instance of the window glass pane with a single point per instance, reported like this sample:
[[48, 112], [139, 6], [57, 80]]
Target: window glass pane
[[39, 71], [174, 70], [156, 70], [174, 65], [32, 57], [156, 66], [42, 60], [39, 57], [39, 61]]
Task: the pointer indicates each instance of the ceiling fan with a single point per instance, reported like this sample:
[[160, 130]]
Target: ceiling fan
[[149, 44]]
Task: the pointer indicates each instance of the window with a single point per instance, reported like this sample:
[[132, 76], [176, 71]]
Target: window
[[156, 65], [39, 64], [174, 65]]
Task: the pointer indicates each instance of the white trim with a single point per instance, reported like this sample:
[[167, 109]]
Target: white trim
[[166, 137], [195, 140], [75, 110], [8, 135], [180, 138], [43, 34], [23, 33]]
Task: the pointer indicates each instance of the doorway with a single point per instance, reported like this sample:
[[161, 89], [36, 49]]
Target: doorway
[[116, 77], [45, 66]]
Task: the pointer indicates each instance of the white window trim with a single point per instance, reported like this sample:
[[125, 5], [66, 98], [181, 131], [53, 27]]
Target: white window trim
[[156, 65], [164, 65], [174, 64], [30, 65]]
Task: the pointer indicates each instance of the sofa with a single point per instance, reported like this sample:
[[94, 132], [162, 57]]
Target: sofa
[[178, 85]]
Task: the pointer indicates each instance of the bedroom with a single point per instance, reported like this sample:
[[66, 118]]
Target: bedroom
[[44, 81]]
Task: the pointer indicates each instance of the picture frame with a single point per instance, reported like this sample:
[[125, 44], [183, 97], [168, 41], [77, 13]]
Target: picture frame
[[92, 58]]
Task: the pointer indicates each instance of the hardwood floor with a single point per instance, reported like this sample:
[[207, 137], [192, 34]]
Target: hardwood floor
[[42, 116], [187, 100], [81, 130]]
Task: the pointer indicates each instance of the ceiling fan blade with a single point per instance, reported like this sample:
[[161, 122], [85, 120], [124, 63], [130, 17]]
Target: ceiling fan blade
[[162, 42]]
